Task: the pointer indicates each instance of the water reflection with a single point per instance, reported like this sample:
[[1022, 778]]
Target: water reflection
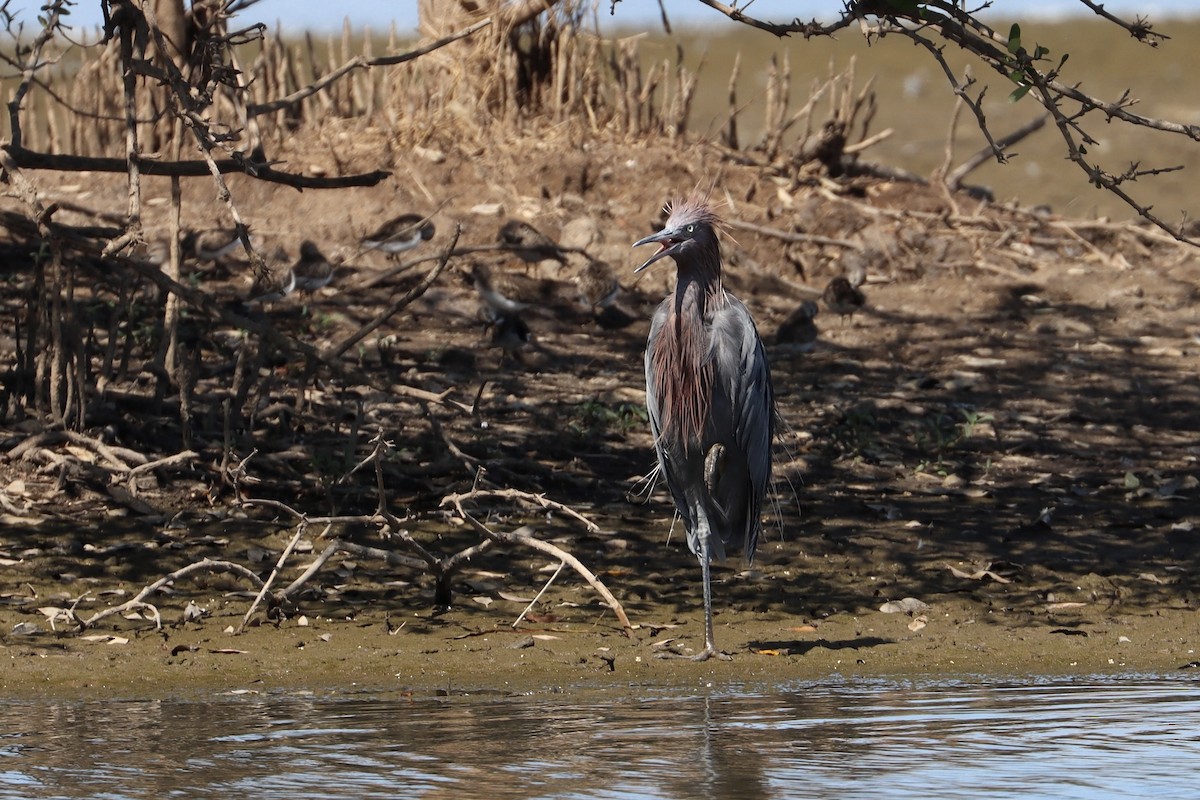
[[1128, 737]]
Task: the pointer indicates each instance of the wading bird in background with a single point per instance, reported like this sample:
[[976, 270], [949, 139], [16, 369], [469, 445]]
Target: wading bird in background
[[799, 331], [312, 270], [531, 245], [399, 234], [709, 397], [842, 295]]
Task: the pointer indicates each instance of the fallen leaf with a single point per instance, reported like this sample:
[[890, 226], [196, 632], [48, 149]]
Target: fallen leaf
[[228, 651], [977, 575], [544, 637], [516, 598], [769, 652], [918, 623], [483, 601], [802, 629], [1060, 606]]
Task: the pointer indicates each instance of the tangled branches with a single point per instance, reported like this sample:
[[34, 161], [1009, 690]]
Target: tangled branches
[[932, 24]]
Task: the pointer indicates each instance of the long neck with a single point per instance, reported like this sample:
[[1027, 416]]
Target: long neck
[[682, 356]]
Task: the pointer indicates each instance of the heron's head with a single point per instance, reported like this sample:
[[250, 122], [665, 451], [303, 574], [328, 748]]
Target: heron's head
[[689, 234]]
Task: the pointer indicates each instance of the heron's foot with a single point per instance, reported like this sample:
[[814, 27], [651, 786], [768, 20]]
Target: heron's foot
[[704, 655], [712, 462], [711, 651]]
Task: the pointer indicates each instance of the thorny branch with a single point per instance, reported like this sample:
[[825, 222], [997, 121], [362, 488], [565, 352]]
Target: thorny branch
[[1007, 56]]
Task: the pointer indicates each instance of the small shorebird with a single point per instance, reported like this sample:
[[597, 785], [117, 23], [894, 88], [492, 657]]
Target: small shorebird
[[399, 234], [312, 270], [504, 292], [799, 330], [598, 288], [272, 286], [842, 296], [531, 245], [510, 334], [598, 285], [213, 244]]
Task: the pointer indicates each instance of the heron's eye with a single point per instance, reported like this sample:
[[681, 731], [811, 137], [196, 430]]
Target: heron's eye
[[691, 228]]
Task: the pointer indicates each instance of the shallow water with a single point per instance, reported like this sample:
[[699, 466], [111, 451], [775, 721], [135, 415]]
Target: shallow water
[[1086, 738]]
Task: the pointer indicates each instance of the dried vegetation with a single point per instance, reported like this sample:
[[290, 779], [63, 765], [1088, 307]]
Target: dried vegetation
[[376, 409]]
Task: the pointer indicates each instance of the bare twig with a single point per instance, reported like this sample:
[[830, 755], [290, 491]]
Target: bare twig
[[396, 307], [266, 587], [361, 62], [538, 596], [139, 601], [955, 177], [522, 537], [515, 494]]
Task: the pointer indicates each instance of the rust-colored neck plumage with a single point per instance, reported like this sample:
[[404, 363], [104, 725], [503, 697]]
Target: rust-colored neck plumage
[[682, 357]]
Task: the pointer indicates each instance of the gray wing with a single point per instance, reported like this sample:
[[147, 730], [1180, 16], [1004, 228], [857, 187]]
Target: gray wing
[[745, 378]]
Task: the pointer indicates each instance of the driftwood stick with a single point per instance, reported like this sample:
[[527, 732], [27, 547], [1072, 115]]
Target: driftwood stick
[[266, 587], [538, 596], [313, 568], [516, 494], [205, 565], [166, 461], [519, 536], [32, 159]]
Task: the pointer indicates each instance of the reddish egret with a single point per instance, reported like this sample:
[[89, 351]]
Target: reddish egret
[[708, 391]]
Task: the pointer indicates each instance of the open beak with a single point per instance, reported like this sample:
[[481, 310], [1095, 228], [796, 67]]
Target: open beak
[[668, 244]]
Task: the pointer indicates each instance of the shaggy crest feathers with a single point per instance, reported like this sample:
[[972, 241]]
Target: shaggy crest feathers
[[694, 208]]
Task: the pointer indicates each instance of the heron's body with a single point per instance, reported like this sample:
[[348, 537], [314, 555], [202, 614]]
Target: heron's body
[[709, 396]]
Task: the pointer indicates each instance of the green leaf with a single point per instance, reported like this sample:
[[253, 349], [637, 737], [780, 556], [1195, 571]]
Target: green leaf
[[1019, 92], [1082, 150], [1040, 52], [1014, 39]]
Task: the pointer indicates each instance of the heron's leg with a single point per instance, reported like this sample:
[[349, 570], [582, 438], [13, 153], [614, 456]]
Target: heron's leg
[[704, 554], [710, 646]]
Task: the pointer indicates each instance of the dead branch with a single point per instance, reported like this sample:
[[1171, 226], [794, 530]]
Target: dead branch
[[520, 536], [139, 601], [32, 159], [516, 494], [1007, 56], [398, 306], [362, 62], [788, 236], [266, 587], [955, 177]]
